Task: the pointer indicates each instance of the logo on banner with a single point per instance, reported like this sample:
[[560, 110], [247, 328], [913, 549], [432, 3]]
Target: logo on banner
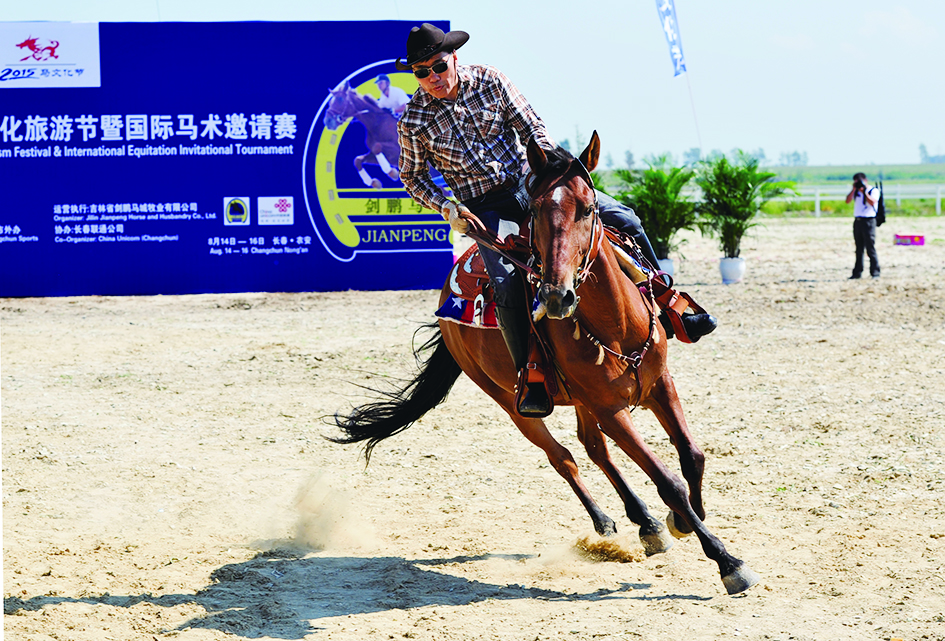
[[49, 54], [278, 210], [236, 210], [39, 51], [353, 191]]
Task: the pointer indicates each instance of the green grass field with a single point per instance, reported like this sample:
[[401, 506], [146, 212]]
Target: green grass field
[[933, 173], [805, 208], [841, 175]]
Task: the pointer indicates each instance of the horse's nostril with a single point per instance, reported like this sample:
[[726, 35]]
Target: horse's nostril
[[568, 299]]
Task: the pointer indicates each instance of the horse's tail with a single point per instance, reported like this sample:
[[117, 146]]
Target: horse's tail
[[373, 422]]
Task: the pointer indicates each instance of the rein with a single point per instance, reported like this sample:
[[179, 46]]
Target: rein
[[485, 236]]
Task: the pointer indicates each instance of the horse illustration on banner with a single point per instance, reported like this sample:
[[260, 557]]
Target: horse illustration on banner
[[39, 53], [380, 127]]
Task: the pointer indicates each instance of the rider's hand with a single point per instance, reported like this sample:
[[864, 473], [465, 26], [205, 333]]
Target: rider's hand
[[455, 214]]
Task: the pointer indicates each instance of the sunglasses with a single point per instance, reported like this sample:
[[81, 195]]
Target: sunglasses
[[437, 68]]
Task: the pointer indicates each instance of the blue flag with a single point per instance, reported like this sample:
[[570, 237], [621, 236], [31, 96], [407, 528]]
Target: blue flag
[[667, 11]]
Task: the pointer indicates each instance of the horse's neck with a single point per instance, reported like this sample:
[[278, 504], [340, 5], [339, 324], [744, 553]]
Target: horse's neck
[[367, 111], [610, 302], [366, 103]]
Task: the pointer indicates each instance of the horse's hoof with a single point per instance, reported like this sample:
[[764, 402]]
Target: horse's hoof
[[375, 183], [606, 528], [678, 532], [740, 580], [657, 542]]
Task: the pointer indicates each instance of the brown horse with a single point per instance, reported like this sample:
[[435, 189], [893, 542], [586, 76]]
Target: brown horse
[[608, 349], [380, 131]]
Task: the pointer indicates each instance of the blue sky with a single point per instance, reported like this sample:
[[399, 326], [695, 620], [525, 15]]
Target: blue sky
[[846, 82]]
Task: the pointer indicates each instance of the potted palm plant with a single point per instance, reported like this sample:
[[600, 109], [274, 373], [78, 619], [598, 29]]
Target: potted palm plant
[[655, 194], [732, 196]]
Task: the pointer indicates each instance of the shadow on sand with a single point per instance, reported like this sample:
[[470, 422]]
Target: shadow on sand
[[282, 594]]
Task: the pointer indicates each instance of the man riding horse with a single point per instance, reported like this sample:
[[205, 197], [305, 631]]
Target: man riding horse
[[470, 122]]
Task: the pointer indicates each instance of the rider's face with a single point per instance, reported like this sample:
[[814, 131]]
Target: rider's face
[[440, 85]]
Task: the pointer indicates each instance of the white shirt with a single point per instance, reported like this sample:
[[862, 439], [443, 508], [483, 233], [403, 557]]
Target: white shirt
[[862, 208], [394, 100]]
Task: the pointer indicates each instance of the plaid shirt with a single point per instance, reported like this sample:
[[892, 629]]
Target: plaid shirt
[[471, 141]]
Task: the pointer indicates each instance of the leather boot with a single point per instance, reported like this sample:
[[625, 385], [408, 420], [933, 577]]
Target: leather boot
[[533, 398], [696, 325]]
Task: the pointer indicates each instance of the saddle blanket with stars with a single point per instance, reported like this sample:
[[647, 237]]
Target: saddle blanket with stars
[[470, 300]]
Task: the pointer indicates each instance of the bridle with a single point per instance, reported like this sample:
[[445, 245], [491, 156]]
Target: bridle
[[634, 359], [597, 231], [338, 114]]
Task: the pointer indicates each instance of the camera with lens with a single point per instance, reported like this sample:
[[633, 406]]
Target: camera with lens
[[858, 184]]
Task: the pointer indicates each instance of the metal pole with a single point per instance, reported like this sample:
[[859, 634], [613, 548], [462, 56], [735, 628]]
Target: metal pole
[[898, 195], [817, 203]]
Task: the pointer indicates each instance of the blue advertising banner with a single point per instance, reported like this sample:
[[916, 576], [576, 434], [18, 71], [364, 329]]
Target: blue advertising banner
[[170, 158]]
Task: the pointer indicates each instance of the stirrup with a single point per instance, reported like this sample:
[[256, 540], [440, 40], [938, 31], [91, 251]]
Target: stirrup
[[532, 399]]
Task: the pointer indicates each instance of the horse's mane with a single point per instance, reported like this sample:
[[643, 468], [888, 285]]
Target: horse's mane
[[559, 160], [371, 101]]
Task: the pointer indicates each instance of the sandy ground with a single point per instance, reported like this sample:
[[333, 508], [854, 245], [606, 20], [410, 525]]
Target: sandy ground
[[165, 475]]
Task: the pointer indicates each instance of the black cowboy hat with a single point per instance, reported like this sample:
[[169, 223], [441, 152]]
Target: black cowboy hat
[[427, 40]]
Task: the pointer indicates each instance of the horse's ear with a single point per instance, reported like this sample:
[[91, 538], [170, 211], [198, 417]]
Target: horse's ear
[[591, 154], [536, 156]]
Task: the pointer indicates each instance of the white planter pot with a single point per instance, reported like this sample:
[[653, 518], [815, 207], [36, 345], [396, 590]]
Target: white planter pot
[[666, 265], [733, 269]]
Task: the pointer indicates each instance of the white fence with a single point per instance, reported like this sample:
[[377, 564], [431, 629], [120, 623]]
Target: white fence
[[891, 192]]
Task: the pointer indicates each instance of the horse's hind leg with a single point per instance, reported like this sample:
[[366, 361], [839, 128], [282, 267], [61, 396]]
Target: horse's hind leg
[[383, 163], [366, 178], [664, 402], [653, 534]]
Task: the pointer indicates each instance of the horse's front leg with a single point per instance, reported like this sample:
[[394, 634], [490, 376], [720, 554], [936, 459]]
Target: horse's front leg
[[653, 534], [663, 401], [534, 430], [475, 350], [736, 576]]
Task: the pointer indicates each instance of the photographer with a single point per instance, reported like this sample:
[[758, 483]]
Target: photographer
[[864, 199]]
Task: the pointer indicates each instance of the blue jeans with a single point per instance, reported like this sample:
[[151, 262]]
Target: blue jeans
[[619, 216], [491, 208]]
